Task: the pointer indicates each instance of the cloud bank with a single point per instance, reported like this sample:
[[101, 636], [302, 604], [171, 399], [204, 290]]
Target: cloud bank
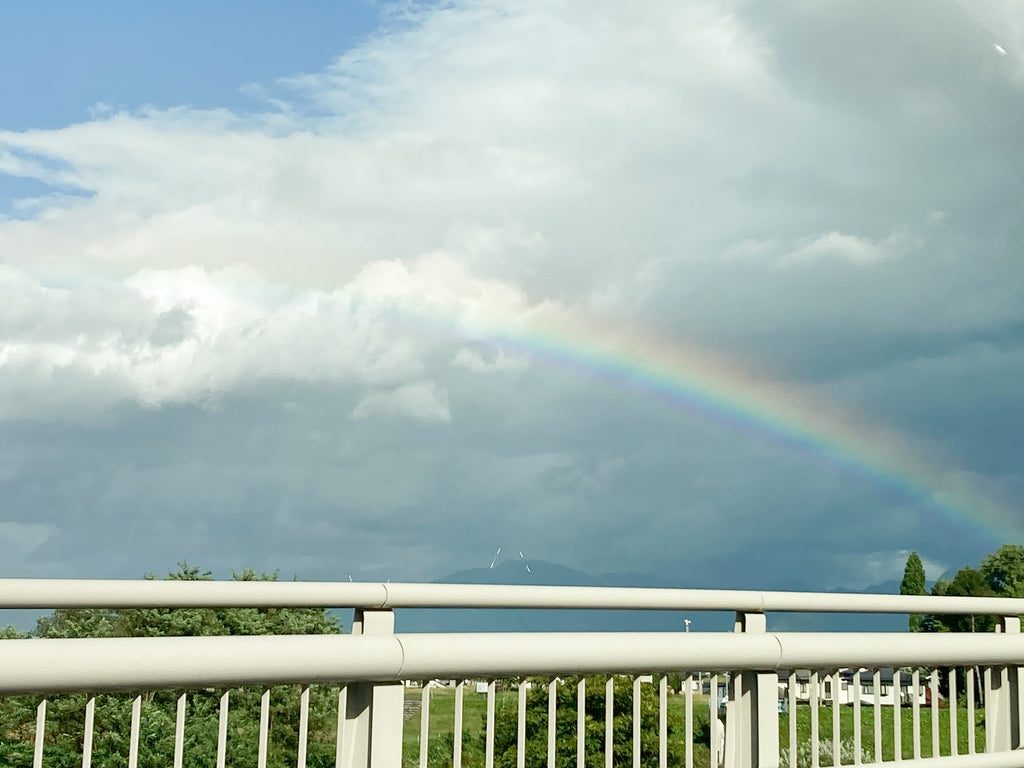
[[288, 317]]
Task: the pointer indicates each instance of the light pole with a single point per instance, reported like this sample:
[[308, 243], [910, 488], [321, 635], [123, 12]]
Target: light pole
[[700, 685]]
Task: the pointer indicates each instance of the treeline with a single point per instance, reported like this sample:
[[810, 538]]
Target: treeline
[[65, 713], [1000, 574], [64, 734]]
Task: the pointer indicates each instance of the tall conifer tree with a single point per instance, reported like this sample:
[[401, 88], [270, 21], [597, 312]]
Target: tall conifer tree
[[913, 584]]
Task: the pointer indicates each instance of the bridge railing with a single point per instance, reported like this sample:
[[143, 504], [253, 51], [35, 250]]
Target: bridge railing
[[754, 672]]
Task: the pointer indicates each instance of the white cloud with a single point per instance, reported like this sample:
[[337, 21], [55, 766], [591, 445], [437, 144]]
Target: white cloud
[[189, 334], [422, 401], [488, 360], [841, 246]]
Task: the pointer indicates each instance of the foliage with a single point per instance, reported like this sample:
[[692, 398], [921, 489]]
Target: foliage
[[913, 584], [1004, 570], [506, 724], [847, 753], [11, 633], [968, 582], [65, 714], [1001, 575]]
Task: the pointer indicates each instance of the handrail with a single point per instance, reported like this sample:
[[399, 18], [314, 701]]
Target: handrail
[[113, 593], [95, 664]]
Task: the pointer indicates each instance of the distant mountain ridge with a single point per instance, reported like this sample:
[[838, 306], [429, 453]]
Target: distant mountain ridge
[[511, 572]]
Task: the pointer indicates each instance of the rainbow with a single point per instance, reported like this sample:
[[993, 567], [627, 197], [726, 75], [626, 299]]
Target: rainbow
[[716, 389]]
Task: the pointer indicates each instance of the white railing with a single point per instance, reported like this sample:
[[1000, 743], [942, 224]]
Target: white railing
[[758, 669]]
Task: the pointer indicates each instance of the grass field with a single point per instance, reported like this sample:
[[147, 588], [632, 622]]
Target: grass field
[[442, 711], [803, 721]]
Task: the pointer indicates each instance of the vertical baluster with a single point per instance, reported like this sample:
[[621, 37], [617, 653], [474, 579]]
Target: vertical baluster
[[935, 712], [261, 758], [222, 731], [339, 739], [40, 735], [636, 722], [581, 722], [837, 738], [689, 719], [813, 700], [457, 746], [133, 744], [489, 750], [954, 731], [179, 732], [897, 716], [916, 683], [300, 760], [609, 717], [987, 682], [714, 737], [1020, 701], [90, 720], [425, 724], [792, 718], [857, 737], [663, 722], [876, 711], [521, 727], [971, 745], [552, 719]]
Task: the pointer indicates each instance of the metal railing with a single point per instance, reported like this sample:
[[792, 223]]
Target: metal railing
[[755, 672]]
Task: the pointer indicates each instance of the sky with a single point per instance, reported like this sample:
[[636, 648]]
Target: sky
[[723, 293]]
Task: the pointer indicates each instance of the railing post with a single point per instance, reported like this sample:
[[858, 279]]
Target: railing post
[[372, 736], [1002, 719], [752, 713]]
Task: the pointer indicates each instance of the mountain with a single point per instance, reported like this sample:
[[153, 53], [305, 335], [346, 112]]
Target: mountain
[[539, 572], [554, 574]]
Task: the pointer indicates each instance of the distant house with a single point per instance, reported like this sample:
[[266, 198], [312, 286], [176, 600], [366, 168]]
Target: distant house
[[888, 694], [846, 690], [695, 685]]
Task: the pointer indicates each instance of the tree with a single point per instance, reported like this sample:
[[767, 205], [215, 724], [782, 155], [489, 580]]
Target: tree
[[1004, 570], [913, 584], [968, 582], [113, 711], [505, 735]]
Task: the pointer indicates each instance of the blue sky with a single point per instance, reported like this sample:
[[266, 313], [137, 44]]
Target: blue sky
[[68, 62], [64, 58], [269, 275]]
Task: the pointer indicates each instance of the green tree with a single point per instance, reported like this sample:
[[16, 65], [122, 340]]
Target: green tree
[[505, 733], [1004, 570], [63, 741], [968, 582], [913, 584]]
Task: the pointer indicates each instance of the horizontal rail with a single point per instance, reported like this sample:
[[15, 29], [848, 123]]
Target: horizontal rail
[[112, 593], [54, 665], [1013, 759]]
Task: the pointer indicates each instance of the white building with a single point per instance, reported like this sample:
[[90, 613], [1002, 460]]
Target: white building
[[887, 693]]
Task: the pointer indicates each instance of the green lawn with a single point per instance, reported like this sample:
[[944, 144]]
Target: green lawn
[[846, 726], [442, 707], [442, 719], [442, 716]]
